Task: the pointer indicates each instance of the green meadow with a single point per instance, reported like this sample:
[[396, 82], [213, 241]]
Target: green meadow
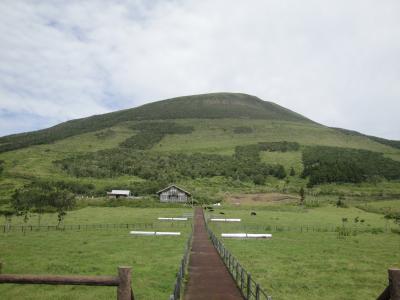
[[154, 260], [299, 263]]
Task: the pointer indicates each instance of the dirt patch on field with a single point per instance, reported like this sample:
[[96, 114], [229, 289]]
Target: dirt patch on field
[[260, 199]]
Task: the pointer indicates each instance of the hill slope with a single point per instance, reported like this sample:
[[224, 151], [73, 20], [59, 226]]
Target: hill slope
[[196, 141], [206, 106]]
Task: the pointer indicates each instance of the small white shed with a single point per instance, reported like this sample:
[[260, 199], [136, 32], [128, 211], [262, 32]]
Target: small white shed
[[119, 193]]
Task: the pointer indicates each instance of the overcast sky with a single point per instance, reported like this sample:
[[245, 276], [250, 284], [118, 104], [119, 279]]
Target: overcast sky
[[336, 62]]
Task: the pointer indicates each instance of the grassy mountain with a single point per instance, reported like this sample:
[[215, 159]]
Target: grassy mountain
[[211, 143], [207, 106]]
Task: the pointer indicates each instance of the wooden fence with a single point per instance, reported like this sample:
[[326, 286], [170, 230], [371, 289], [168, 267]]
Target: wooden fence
[[302, 228], [249, 288], [180, 276], [392, 291], [86, 227], [122, 281]]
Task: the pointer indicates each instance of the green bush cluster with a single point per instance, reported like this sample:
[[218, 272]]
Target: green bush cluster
[[42, 196], [283, 146], [244, 165], [150, 133], [332, 164]]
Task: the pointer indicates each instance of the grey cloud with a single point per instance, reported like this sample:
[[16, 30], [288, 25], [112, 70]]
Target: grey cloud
[[335, 62]]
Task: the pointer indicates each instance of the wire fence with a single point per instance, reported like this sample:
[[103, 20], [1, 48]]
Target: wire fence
[[250, 289], [180, 276], [302, 228], [7, 228]]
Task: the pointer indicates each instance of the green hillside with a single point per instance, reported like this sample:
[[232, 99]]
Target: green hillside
[[391, 143], [207, 106], [211, 143]]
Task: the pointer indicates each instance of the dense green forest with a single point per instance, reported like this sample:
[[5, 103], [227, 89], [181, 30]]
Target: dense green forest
[[332, 164], [169, 167]]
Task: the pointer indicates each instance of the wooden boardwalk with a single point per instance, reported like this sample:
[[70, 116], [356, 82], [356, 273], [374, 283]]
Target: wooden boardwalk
[[209, 279]]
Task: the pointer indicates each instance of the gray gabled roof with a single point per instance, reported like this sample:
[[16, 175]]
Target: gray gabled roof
[[175, 186]]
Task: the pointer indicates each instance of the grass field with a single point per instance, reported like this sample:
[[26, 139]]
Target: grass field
[[154, 260], [314, 265], [319, 265], [292, 265]]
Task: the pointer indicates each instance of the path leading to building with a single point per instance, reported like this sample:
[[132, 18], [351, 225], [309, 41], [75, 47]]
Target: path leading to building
[[209, 279]]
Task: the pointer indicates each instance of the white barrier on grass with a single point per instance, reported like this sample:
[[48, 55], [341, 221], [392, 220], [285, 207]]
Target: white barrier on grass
[[154, 233], [226, 220], [173, 219], [247, 235]]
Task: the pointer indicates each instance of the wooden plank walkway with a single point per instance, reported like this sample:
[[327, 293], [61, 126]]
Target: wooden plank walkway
[[209, 279]]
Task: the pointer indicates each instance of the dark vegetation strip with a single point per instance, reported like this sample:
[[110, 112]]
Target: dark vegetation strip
[[128, 159], [151, 133], [249, 288], [332, 164]]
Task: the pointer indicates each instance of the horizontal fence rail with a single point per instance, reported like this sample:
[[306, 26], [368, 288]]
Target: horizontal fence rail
[[180, 276], [250, 289], [122, 281], [303, 228], [83, 227]]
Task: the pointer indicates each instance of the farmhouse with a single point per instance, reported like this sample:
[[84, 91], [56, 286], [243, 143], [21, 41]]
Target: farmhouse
[[173, 193], [119, 193]]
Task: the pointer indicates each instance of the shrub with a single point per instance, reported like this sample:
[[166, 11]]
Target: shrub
[[332, 164]]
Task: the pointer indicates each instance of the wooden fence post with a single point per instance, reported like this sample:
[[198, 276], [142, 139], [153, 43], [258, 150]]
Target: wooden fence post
[[257, 292], [242, 280], [248, 295], [394, 283], [124, 291]]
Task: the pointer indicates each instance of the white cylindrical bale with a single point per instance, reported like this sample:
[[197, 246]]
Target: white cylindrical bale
[[259, 235], [143, 232], [247, 235], [225, 220], [233, 235], [172, 219], [168, 233]]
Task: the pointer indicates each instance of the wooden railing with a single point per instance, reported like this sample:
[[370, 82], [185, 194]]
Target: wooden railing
[[180, 276], [122, 281], [392, 291], [7, 228]]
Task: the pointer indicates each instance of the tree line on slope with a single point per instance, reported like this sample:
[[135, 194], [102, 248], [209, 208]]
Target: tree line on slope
[[332, 164], [244, 165], [151, 133]]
